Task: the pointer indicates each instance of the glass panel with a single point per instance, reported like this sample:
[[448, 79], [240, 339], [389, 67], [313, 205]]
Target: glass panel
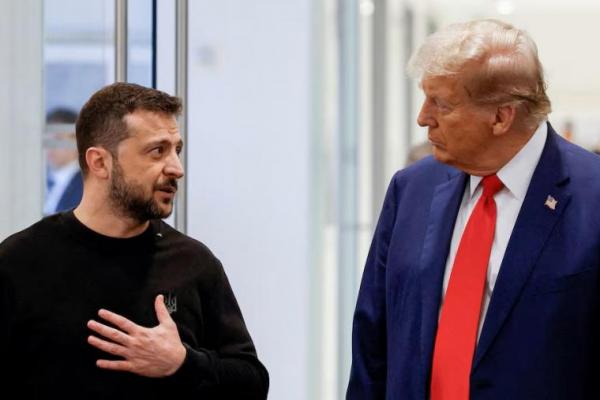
[[21, 114], [78, 60], [141, 44]]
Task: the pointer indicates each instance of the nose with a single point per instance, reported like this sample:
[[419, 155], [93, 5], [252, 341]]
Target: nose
[[425, 117], [174, 167]]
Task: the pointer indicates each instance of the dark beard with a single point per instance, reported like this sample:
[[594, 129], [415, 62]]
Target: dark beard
[[130, 200]]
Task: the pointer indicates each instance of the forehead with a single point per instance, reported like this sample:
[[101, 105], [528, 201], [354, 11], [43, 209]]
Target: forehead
[[150, 125], [449, 87]]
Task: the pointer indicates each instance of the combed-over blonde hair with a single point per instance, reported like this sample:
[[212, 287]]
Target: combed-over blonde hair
[[497, 63]]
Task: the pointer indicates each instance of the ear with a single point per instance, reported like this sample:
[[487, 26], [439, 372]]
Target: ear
[[504, 119], [99, 161]]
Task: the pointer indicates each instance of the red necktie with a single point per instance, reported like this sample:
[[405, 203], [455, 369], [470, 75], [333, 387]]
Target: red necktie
[[459, 321]]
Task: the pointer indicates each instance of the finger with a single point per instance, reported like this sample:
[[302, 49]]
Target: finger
[[107, 347], [115, 365], [109, 332], [119, 321], [161, 310]]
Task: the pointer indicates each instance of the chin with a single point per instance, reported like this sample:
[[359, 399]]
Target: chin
[[440, 155], [166, 215], [165, 211], [162, 208]]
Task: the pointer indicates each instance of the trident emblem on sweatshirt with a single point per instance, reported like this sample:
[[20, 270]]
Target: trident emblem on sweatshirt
[[170, 302]]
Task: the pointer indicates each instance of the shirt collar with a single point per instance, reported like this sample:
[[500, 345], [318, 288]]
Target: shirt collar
[[517, 173]]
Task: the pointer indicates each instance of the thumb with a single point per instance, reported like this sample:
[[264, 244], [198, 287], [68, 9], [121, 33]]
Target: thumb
[[161, 310]]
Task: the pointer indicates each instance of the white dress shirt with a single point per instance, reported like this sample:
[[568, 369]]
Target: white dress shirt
[[516, 176]]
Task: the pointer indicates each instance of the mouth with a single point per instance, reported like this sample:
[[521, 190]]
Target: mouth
[[167, 189], [435, 143], [168, 186]]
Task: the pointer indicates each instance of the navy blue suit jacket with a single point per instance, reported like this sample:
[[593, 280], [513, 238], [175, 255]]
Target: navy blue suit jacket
[[72, 195], [540, 338]]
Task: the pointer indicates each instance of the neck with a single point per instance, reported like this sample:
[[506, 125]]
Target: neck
[[500, 152], [95, 212]]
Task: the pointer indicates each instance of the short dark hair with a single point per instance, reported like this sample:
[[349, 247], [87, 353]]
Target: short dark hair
[[101, 123]]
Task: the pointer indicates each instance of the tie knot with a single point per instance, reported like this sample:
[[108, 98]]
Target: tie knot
[[491, 185]]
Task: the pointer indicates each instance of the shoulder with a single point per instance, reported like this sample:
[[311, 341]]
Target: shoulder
[[583, 166], [24, 246], [194, 259], [29, 237], [422, 176], [188, 248], [183, 241], [427, 167], [579, 159]]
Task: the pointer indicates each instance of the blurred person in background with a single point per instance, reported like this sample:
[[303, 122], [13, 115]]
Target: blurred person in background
[[568, 132], [64, 184], [483, 281], [418, 152], [107, 301]]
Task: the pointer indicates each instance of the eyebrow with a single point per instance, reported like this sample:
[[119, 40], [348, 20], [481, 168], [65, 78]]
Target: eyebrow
[[163, 142]]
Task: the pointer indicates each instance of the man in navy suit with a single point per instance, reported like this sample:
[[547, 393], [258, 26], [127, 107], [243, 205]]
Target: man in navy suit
[[425, 327], [64, 181]]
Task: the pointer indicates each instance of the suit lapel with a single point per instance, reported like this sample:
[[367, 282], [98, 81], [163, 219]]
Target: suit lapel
[[436, 245], [530, 233]]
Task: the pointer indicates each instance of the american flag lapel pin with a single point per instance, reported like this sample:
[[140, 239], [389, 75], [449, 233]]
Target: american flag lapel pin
[[551, 202]]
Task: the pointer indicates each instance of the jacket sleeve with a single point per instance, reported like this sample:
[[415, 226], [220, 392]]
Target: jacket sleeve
[[230, 369], [369, 360]]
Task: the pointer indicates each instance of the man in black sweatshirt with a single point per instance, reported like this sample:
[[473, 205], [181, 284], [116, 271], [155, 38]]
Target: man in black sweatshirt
[[109, 302]]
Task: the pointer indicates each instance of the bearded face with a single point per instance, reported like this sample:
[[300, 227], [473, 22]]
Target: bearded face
[[138, 201]]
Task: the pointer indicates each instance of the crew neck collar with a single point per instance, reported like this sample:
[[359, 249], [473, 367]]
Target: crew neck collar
[[87, 235]]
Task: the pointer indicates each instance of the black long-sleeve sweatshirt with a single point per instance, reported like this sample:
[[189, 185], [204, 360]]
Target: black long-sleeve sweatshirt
[[57, 274]]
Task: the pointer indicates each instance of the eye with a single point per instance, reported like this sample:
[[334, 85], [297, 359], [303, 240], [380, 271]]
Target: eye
[[441, 105], [157, 151], [178, 150]]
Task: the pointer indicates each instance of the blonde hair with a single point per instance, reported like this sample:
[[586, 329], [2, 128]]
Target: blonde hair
[[497, 63]]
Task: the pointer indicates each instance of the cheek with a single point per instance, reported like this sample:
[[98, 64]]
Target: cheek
[[146, 174], [473, 142], [154, 180], [142, 180], [450, 132]]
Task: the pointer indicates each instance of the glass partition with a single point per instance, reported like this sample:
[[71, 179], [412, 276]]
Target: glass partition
[[79, 58]]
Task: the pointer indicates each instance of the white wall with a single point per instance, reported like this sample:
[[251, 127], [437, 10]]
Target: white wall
[[248, 168], [566, 42], [21, 114]]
